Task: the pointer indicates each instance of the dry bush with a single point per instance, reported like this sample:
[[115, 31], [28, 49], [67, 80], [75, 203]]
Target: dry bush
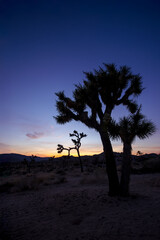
[[60, 172], [155, 182], [152, 165], [60, 179], [30, 181], [6, 186], [99, 176], [27, 182], [45, 177]]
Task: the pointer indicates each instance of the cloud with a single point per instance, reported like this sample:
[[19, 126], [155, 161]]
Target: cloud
[[4, 147], [35, 135], [7, 148]]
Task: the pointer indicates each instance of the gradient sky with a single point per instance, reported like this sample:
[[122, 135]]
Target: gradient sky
[[46, 45]]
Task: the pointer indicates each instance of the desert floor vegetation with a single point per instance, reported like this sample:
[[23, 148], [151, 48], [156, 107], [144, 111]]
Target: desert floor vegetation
[[15, 177], [30, 181], [69, 205], [57, 201]]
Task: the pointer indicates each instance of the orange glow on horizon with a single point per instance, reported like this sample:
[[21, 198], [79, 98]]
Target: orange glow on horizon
[[90, 151]]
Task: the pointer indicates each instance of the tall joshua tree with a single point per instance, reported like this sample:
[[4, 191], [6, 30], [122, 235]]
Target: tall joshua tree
[[128, 128], [93, 103]]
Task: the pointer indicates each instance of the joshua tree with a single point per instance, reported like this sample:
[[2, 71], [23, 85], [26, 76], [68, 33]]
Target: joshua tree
[[77, 144], [60, 149], [103, 90], [128, 128], [51, 158], [26, 163], [33, 158], [139, 153], [29, 163]]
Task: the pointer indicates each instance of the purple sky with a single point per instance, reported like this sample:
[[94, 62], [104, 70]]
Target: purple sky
[[46, 45]]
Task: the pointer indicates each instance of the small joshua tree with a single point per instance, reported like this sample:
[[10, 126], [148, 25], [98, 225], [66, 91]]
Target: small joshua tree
[[60, 149], [33, 158], [30, 163], [26, 163], [51, 159], [77, 143], [139, 153]]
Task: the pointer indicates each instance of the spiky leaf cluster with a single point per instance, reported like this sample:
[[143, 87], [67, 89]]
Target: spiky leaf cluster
[[135, 125], [79, 136], [102, 90], [60, 148]]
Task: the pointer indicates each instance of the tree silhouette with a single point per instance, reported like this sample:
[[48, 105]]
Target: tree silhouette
[[77, 143], [128, 128], [60, 149], [33, 158], [139, 153], [51, 158], [101, 92]]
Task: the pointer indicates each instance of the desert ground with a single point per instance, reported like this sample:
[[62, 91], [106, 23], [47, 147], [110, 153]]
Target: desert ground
[[70, 205]]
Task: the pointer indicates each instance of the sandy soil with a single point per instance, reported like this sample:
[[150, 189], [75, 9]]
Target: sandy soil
[[77, 210]]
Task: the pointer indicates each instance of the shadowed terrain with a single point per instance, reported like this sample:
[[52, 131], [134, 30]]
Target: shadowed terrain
[[67, 204]]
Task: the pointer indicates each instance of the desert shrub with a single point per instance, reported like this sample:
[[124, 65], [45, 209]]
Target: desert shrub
[[156, 183], [76, 164], [95, 161], [27, 182], [147, 165], [153, 180], [152, 165], [14, 185], [136, 167], [60, 172], [99, 176], [60, 179], [5, 187]]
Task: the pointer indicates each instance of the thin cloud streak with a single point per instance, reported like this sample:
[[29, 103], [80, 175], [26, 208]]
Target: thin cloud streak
[[4, 146], [35, 135], [7, 148]]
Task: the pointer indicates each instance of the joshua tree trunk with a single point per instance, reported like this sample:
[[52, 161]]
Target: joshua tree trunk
[[80, 160], [110, 165], [126, 170]]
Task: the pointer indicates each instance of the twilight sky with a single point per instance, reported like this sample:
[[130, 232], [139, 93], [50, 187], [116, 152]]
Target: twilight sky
[[45, 45]]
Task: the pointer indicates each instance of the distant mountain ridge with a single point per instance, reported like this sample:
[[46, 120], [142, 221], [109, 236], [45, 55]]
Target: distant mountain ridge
[[14, 157]]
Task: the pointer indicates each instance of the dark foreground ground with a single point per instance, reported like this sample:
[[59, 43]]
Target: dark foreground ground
[[75, 207]]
